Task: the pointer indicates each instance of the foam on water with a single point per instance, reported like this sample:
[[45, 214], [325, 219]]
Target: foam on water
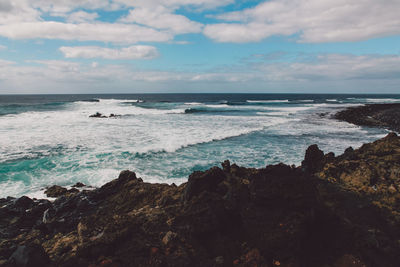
[[159, 141], [268, 101]]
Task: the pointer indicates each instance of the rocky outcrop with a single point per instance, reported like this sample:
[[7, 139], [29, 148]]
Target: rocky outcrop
[[375, 115], [331, 211], [99, 115], [57, 191]]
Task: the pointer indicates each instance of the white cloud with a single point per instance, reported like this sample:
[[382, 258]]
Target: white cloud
[[17, 11], [162, 18], [61, 8], [352, 73], [82, 16], [3, 47], [132, 52], [314, 20], [104, 32], [201, 4]]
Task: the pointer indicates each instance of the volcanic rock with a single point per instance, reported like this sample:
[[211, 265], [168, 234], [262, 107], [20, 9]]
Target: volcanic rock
[[331, 211]]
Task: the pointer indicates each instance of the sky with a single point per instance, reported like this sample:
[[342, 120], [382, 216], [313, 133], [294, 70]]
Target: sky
[[199, 46]]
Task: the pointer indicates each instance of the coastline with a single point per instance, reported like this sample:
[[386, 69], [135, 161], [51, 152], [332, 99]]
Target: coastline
[[373, 115], [329, 211]]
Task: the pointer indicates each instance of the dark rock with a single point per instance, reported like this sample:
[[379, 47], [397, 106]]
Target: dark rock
[[78, 185], [127, 175], [376, 115], [226, 166], [344, 213], [97, 115], [203, 181], [23, 202], [55, 191], [29, 255], [313, 159], [114, 115]]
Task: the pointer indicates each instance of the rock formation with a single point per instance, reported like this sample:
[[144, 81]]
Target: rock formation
[[331, 211], [376, 115]]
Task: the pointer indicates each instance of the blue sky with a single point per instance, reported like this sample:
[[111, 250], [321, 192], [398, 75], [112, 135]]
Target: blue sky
[[132, 46]]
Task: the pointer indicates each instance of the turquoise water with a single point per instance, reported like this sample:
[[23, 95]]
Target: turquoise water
[[47, 140]]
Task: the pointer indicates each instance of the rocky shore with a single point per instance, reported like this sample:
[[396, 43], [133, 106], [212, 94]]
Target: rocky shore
[[375, 115], [330, 211]]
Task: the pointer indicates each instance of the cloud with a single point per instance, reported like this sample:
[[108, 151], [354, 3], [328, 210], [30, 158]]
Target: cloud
[[17, 11], [314, 21], [104, 32], [3, 47], [162, 18], [157, 19], [82, 16], [62, 8], [366, 73], [175, 4], [132, 52]]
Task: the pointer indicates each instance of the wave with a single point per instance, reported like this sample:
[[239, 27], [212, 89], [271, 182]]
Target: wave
[[301, 101], [112, 100], [193, 103], [208, 110], [373, 100], [268, 101], [382, 100]]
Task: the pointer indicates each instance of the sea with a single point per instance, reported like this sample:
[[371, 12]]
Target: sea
[[50, 139]]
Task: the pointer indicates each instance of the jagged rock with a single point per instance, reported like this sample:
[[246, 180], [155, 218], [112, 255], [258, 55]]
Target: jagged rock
[[280, 215], [55, 191], [313, 159], [97, 115], [380, 115], [23, 202], [169, 236], [203, 181], [226, 166], [29, 255], [78, 185]]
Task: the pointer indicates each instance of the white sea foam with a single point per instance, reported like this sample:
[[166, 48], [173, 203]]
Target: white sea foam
[[66, 146], [267, 101], [193, 103], [382, 100]]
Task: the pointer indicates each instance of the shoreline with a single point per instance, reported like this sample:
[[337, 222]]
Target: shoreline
[[373, 115], [332, 210]]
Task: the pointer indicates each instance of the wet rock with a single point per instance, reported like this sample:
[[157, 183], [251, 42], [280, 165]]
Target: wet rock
[[97, 115], [226, 166], [55, 191], [79, 185], [378, 115], [112, 115]]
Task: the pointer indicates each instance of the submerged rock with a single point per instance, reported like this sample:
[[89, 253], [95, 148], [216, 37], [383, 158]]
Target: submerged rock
[[97, 115]]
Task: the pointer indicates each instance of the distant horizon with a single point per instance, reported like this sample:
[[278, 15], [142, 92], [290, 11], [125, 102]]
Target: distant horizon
[[224, 93]]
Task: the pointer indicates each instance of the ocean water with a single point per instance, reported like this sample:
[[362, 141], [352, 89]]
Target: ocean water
[[50, 139]]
